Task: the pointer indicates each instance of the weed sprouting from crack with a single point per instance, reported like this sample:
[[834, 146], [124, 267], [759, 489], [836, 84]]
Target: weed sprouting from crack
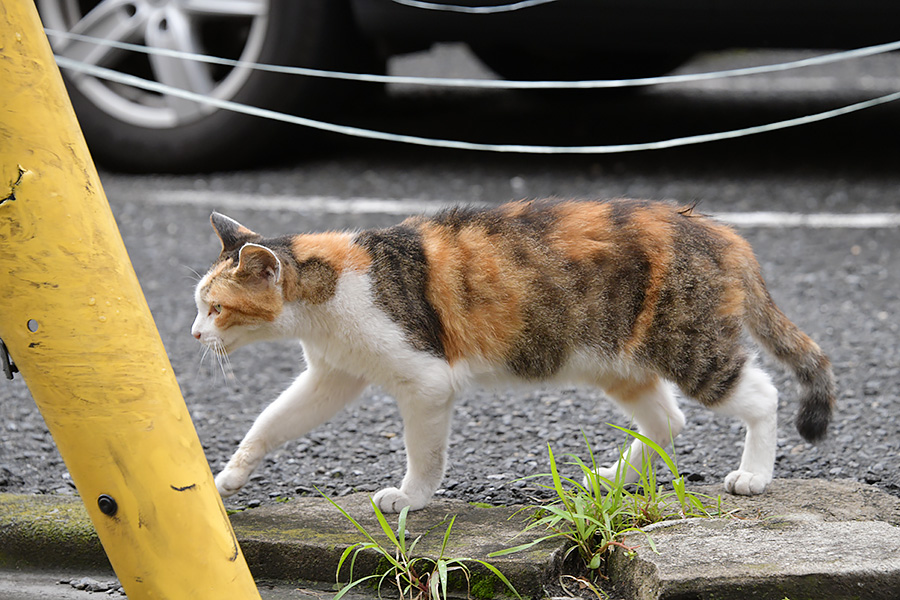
[[594, 515], [415, 577]]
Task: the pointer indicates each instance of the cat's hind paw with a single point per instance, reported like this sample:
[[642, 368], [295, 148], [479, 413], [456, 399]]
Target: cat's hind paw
[[745, 483], [229, 482]]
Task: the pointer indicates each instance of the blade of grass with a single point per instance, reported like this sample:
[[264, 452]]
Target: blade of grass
[[524, 546], [386, 528], [656, 447], [557, 484], [352, 585], [442, 576], [497, 574]]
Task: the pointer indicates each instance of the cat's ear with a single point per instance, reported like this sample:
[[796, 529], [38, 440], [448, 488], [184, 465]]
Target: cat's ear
[[259, 265], [231, 233]]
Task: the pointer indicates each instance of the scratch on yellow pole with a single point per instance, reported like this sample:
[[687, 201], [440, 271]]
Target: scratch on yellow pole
[[76, 323]]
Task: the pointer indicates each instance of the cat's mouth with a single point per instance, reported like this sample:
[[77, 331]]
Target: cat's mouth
[[218, 347]]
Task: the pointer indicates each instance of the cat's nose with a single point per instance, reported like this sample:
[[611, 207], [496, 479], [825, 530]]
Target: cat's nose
[[196, 328]]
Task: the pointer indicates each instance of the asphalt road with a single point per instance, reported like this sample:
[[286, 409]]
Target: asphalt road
[[840, 283], [80, 585]]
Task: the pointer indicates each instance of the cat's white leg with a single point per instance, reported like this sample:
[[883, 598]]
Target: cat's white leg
[[314, 397], [426, 429], [755, 401], [654, 409]]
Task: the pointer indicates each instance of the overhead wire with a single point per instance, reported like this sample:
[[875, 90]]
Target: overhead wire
[[153, 86], [156, 87], [823, 59]]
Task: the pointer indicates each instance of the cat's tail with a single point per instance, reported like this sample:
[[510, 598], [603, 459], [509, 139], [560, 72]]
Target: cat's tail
[[784, 340]]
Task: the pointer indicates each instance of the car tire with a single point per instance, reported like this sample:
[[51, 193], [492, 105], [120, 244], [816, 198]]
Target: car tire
[[312, 33]]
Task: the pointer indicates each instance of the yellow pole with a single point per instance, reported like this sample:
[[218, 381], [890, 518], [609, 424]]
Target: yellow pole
[[75, 321]]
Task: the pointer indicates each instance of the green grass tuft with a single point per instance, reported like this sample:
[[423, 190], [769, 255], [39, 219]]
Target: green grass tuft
[[595, 514], [415, 577]]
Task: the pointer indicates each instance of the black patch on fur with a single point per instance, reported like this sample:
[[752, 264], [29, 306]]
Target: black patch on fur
[[458, 217], [814, 415], [713, 379], [694, 237], [316, 280], [400, 278], [281, 246], [542, 346], [534, 221], [620, 212], [629, 275], [689, 341], [232, 234], [817, 401]]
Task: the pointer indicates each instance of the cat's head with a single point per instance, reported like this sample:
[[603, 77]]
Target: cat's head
[[240, 299]]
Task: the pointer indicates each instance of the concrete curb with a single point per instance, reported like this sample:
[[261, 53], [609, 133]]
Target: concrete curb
[[802, 539], [305, 538], [300, 540]]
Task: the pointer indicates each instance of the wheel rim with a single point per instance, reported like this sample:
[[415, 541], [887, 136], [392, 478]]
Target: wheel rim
[[232, 29]]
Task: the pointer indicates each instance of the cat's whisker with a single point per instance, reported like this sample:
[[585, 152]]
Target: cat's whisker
[[197, 275], [204, 350], [224, 361], [227, 362]]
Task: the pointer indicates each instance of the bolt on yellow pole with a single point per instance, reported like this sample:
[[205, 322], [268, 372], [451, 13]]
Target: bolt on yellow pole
[[75, 321]]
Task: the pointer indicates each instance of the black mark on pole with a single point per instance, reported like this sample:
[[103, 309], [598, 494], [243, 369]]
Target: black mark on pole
[[13, 186], [183, 489], [234, 542]]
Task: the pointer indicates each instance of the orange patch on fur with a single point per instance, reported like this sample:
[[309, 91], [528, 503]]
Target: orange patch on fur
[[629, 390], [472, 288], [737, 261], [583, 230], [656, 241], [335, 248], [515, 209], [216, 270], [241, 305]]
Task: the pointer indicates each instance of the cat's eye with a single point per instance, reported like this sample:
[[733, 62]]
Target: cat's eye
[[215, 308]]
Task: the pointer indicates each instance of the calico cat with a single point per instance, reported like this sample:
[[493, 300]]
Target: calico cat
[[629, 296]]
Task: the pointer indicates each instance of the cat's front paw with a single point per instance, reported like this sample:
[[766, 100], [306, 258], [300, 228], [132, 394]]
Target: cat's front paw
[[391, 500], [745, 483], [230, 481]]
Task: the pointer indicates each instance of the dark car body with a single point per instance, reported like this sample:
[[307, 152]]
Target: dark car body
[[551, 40]]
